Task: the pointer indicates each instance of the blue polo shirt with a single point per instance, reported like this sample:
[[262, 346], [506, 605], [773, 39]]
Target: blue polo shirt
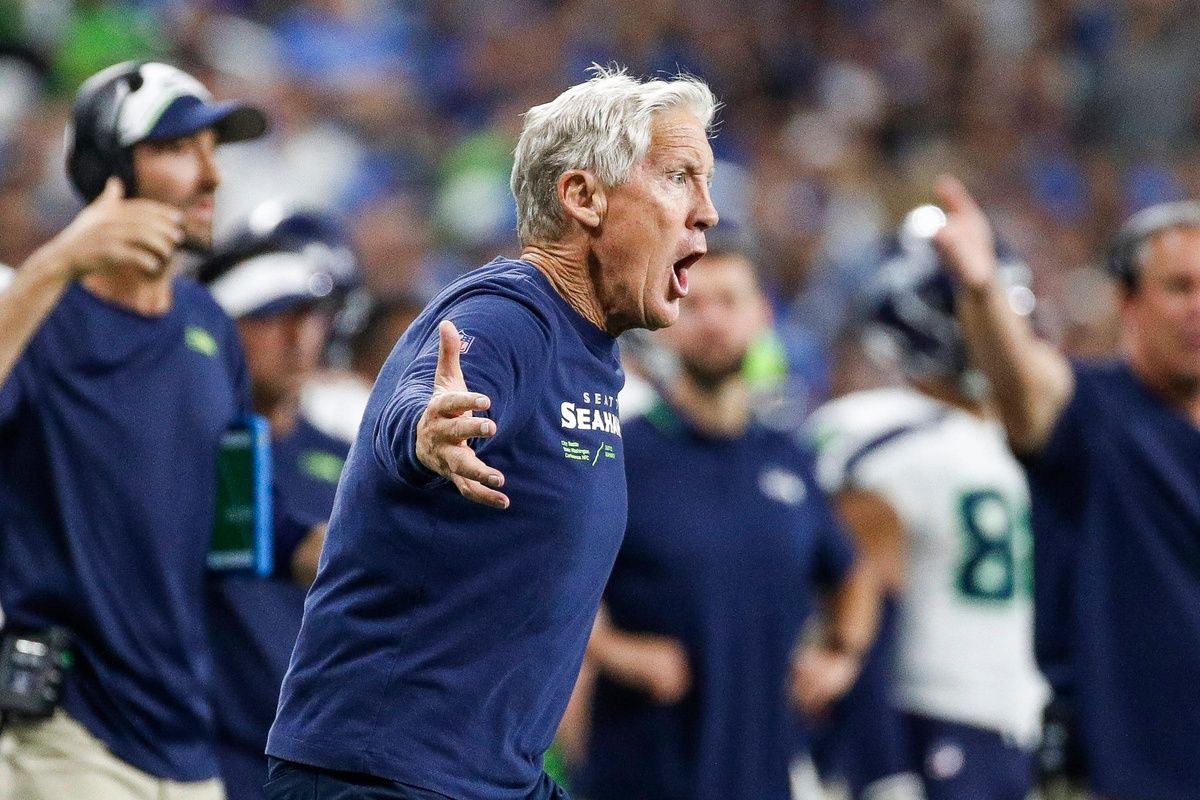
[[727, 544], [1123, 470], [442, 638], [109, 431], [254, 622]]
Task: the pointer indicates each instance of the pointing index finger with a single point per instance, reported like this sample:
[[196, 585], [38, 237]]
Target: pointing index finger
[[953, 195], [449, 368]]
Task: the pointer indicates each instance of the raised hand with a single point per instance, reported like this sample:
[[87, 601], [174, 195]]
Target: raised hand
[[448, 422], [114, 231], [966, 241]]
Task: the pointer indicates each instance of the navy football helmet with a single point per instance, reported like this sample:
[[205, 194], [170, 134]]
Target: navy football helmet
[[911, 305]]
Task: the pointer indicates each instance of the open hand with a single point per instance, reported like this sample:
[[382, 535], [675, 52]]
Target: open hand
[[448, 423]]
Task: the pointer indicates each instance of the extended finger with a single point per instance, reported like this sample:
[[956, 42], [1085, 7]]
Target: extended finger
[[478, 493], [113, 191], [452, 404], [953, 196], [449, 369], [457, 429], [461, 460]]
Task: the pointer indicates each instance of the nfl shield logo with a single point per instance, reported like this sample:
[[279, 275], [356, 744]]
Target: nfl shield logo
[[466, 342]]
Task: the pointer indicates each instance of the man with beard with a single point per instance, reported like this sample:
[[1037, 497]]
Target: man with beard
[[118, 379], [704, 665]]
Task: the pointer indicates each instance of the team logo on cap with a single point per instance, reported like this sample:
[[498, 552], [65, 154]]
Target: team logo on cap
[[162, 84]]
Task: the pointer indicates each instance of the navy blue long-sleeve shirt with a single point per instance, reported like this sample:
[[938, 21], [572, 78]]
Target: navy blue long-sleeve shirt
[[442, 638]]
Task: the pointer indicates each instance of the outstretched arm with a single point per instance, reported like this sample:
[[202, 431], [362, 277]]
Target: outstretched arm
[[1031, 381]]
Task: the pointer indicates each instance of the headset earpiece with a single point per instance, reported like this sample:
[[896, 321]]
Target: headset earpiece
[[94, 151]]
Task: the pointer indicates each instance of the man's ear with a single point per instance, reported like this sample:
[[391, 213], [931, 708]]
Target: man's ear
[[582, 197]]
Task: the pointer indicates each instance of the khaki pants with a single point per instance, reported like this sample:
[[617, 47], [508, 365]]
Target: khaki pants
[[59, 759]]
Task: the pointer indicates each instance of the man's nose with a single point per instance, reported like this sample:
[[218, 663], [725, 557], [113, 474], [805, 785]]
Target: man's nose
[[706, 214]]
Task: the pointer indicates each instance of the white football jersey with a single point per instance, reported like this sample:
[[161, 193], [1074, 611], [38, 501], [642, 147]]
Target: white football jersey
[[965, 635]]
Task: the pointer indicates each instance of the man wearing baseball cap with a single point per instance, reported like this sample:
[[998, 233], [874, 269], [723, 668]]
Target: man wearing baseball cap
[[117, 380]]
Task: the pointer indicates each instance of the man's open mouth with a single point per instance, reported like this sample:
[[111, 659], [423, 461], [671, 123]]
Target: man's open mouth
[[679, 278]]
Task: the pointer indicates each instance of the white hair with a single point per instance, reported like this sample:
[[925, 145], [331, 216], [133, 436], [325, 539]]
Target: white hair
[[601, 125]]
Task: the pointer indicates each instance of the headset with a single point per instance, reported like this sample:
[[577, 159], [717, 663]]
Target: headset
[[1122, 260], [93, 145]]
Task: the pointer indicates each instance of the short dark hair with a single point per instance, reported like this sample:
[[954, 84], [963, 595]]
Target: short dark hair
[[1125, 251]]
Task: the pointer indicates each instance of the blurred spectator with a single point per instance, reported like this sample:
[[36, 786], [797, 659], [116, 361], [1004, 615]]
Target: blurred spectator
[[334, 400]]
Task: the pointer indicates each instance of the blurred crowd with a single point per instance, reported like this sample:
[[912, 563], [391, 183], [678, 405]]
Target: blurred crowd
[[400, 117]]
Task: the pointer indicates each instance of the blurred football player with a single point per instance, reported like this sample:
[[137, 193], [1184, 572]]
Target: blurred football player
[[924, 477]]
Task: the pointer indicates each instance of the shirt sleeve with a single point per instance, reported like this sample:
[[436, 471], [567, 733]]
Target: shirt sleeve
[[11, 395], [506, 355], [1058, 467]]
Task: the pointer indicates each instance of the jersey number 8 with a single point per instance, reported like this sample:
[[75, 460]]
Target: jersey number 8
[[996, 548]]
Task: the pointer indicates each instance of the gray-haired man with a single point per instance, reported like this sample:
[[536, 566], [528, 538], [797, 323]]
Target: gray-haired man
[[448, 621]]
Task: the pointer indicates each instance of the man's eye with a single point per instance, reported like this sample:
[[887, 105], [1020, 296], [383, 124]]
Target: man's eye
[[679, 177]]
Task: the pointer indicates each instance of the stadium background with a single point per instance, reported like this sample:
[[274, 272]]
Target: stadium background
[[1063, 116]]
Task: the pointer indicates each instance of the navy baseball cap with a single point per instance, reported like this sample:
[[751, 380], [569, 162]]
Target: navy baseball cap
[[168, 103]]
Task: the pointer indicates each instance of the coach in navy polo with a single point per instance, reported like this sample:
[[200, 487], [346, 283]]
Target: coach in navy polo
[[1113, 451], [484, 500], [117, 380]]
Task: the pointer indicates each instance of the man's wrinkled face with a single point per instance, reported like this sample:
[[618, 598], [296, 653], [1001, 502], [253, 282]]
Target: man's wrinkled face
[[1162, 316], [182, 173], [653, 227], [723, 314]]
